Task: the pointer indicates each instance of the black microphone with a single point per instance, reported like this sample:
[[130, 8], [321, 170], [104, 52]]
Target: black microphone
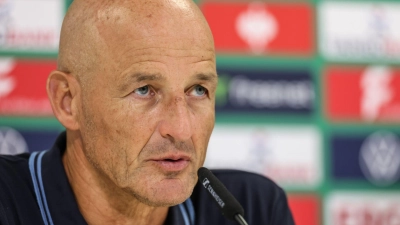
[[228, 204]]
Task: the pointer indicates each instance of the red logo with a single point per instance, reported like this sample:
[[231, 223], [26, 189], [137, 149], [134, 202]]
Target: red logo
[[368, 214], [23, 87], [261, 28], [305, 209], [363, 94], [363, 209]]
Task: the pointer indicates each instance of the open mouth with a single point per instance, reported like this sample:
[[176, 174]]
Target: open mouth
[[173, 165], [172, 160]]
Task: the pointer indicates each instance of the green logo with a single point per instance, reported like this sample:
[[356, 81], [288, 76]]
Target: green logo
[[221, 95]]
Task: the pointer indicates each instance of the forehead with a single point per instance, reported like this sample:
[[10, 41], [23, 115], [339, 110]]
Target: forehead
[[141, 36], [161, 49], [154, 20]]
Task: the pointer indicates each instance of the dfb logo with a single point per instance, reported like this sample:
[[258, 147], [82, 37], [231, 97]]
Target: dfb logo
[[257, 27], [380, 158], [261, 28]]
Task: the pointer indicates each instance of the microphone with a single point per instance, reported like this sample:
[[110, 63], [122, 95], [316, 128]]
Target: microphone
[[228, 204]]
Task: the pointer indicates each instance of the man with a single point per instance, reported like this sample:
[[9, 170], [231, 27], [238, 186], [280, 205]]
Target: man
[[135, 90]]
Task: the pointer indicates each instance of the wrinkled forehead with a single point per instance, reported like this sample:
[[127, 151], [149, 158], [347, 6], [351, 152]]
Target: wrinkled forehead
[[174, 24]]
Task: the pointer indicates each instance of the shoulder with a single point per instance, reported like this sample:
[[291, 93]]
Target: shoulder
[[14, 168], [15, 186], [14, 159], [14, 174], [237, 179], [263, 200], [252, 189]]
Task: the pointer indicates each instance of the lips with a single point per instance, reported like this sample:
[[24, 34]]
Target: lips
[[172, 162]]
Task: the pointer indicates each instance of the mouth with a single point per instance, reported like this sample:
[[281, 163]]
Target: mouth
[[172, 163]]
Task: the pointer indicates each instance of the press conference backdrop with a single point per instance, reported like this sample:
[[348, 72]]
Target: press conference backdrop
[[308, 95]]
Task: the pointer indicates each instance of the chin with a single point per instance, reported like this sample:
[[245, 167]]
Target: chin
[[172, 192], [163, 192]]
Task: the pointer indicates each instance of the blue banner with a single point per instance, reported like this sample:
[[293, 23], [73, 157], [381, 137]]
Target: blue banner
[[265, 91], [375, 157]]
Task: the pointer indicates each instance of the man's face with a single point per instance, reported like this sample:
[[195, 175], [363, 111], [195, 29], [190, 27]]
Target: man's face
[[148, 110]]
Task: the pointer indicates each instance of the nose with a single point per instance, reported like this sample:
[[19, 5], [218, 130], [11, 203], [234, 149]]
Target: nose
[[176, 124]]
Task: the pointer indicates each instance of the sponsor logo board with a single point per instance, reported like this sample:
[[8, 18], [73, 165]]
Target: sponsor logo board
[[265, 91], [375, 157], [15, 141], [372, 34], [24, 29], [305, 209], [261, 28], [362, 208], [370, 94], [291, 156], [23, 87]]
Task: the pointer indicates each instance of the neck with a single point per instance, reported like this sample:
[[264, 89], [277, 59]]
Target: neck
[[99, 200]]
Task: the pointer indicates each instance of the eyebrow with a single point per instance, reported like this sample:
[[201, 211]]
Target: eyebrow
[[138, 77], [206, 77]]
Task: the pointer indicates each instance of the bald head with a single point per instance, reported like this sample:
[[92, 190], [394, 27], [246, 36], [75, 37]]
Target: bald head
[[95, 31], [135, 86]]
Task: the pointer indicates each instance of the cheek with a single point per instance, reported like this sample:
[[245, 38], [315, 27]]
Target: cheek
[[203, 126], [205, 122], [115, 137], [127, 129]]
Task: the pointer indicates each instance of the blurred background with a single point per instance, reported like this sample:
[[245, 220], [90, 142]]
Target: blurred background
[[309, 96]]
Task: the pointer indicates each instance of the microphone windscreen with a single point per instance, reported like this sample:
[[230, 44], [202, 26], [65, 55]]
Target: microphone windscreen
[[228, 204]]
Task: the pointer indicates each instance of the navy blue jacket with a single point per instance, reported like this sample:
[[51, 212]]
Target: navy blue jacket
[[34, 190]]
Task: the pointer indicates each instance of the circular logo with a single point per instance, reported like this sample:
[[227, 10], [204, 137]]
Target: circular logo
[[380, 158], [11, 142]]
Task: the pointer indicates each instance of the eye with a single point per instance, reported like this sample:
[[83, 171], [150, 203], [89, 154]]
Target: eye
[[142, 91], [198, 90]]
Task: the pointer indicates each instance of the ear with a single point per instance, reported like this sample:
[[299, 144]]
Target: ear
[[62, 90]]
